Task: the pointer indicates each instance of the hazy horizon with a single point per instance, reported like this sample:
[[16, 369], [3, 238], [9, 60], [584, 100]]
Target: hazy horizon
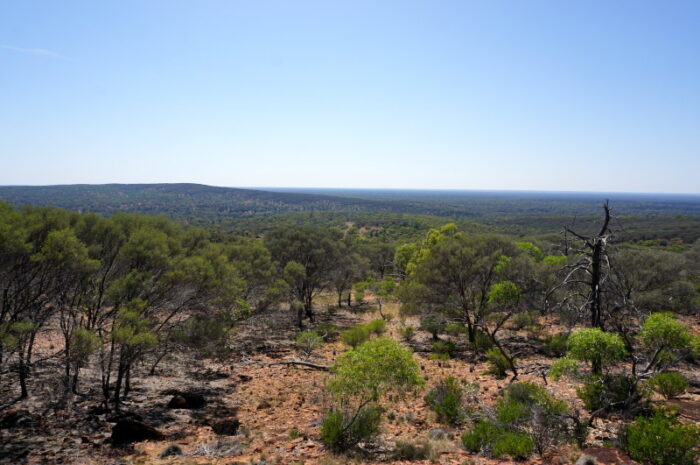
[[545, 96]]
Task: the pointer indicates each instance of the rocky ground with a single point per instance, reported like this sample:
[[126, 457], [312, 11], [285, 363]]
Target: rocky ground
[[252, 410]]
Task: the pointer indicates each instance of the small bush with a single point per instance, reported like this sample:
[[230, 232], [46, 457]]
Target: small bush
[[661, 440], [377, 327], [307, 341], [498, 364], [406, 450], [482, 342], [444, 347], [510, 411], [327, 331], [555, 345], [445, 399], [344, 430], [439, 357], [407, 332], [455, 329], [481, 436], [355, 336], [524, 320], [669, 385], [603, 392], [518, 446], [434, 324]]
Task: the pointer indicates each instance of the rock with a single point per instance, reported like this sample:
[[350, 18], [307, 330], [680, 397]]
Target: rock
[[226, 426], [264, 405], [586, 460], [245, 378], [173, 450], [16, 418], [129, 430], [187, 400], [436, 433]]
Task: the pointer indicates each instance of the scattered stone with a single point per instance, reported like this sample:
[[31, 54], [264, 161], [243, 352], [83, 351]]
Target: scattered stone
[[226, 426], [129, 430], [245, 378], [187, 401], [586, 460], [173, 450], [264, 405]]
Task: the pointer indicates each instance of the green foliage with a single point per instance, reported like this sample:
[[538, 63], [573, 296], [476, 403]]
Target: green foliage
[[481, 436], [597, 347], [532, 250], [342, 430], [408, 450], [516, 445], [524, 320], [661, 440], [407, 332], [664, 339], [327, 331], [444, 348], [669, 385], [482, 342], [498, 363], [555, 345], [503, 294], [432, 323], [446, 400], [83, 343], [564, 366], [355, 335], [375, 367], [307, 341], [377, 327], [455, 329], [608, 392]]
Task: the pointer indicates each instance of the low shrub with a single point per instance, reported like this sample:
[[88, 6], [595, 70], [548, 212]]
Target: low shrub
[[327, 331], [482, 342], [517, 445], [661, 440], [355, 336], [407, 332], [455, 329], [307, 341], [377, 327], [608, 392], [669, 385], [406, 450], [343, 430], [446, 400], [481, 436], [498, 364], [556, 345], [444, 347], [524, 320]]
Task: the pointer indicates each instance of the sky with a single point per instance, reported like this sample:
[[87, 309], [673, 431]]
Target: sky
[[492, 94]]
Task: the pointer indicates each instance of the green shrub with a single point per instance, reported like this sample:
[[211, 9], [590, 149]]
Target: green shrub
[[608, 391], [555, 345], [439, 356], [307, 341], [444, 347], [669, 385], [327, 331], [516, 445], [407, 332], [377, 327], [661, 440], [434, 324], [481, 436], [406, 450], [355, 336], [510, 411], [445, 399], [344, 430], [455, 329], [498, 364], [482, 342], [524, 320]]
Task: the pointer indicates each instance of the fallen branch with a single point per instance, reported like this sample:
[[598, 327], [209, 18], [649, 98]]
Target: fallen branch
[[298, 362]]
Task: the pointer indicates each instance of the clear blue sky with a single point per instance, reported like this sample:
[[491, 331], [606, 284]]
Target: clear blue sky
[[557, 95]]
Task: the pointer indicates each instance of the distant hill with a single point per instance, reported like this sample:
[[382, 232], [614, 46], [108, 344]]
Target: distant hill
[[180, 201], [516, 212]]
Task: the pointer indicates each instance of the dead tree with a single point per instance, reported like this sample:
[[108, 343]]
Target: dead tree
[[588, 275]]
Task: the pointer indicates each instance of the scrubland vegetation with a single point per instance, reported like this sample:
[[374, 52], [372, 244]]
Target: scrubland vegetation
[[442, 344]]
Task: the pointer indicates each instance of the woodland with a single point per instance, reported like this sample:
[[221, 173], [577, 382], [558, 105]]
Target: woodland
[[349, 335]]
